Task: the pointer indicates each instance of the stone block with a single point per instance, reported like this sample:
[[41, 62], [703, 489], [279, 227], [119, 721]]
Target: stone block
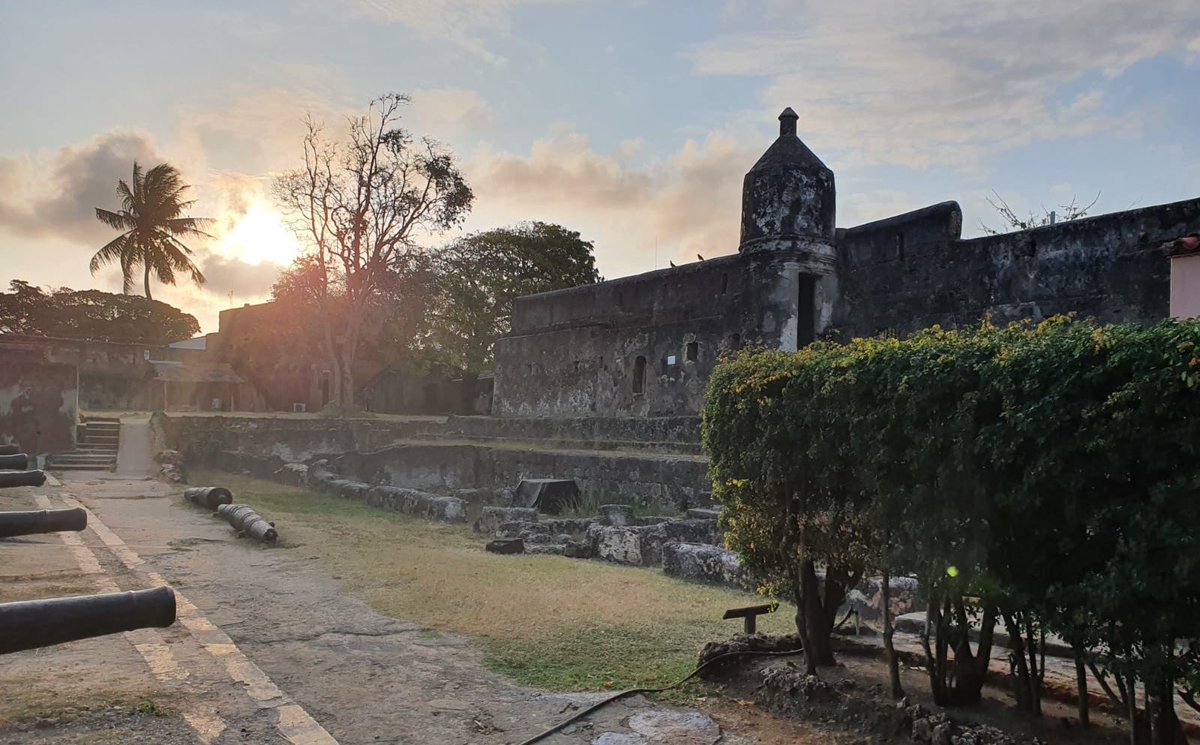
[[617, 515], [903, 590], [547, 495], [492, 517], [910, 623], [506, 546], [654, 537], [577, 550], [293, 474], [553, 549], [618, 545], [704, 563]]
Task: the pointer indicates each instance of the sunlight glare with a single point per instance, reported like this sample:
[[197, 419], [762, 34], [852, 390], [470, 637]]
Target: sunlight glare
[[259, 236]]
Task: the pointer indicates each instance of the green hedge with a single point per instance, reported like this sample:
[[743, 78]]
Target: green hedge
[[1049, 470]]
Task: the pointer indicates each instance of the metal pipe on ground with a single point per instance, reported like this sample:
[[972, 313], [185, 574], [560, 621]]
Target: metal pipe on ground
[[14, 461], [245, 520], [10, 479], [208, 496], [41, 521], [9, 449], [30, 624]]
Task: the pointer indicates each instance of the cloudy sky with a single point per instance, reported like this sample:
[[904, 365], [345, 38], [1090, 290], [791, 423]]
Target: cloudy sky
[[631, 121]]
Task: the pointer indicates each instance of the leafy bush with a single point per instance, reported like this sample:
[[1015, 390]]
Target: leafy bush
[[1043, 476]]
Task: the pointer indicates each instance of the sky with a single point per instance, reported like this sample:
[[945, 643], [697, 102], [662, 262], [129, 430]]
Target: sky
[[631, 121]]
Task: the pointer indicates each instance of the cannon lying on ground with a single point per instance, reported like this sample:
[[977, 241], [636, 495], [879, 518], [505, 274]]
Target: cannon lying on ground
[[21, 478], [208, 496], [9, 449], [14, 461], [30, 624], [41, 521], [245, 520]]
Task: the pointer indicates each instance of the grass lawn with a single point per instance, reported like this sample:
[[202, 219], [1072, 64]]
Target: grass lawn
[[547, 621]]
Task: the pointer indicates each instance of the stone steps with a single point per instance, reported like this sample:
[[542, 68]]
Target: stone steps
[[96, 450]]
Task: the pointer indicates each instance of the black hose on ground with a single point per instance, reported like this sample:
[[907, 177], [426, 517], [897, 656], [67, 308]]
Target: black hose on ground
[[605, 702]]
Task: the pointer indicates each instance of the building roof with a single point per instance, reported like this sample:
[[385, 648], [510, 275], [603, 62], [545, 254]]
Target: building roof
[[176, 372], [1186, 245]]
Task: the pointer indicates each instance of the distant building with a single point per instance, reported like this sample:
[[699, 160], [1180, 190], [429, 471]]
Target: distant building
[[645, 345]]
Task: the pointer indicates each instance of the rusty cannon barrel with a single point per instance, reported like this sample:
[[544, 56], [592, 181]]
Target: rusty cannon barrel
[[30, 624], [41, 521], [245, 520], [9, 449], [14, 461], [208, 496], [21, 478]]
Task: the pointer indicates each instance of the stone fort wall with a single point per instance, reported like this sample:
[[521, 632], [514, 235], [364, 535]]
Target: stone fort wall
[[913, 271], [636, 346]]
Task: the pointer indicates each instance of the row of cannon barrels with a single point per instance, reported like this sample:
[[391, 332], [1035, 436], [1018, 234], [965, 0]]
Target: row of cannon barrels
[[13, 469], [242, 517], [32, 624]]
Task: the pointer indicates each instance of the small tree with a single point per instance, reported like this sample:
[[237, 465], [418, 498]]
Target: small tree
[[359, 206], [1013, 222]]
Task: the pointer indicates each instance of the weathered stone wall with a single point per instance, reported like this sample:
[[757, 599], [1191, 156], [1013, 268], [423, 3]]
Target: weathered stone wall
[[576, 352], [38, 402], [913, 271], [643, 461]]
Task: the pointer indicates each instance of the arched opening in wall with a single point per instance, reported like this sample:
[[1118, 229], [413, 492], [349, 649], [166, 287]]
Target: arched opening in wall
[[900, 246], [639, 376], [733, 342], [724, 283], [692, 351]]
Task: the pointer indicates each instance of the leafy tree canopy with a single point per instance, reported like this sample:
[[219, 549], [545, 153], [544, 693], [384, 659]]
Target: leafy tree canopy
[[480, 276], [91, 314]]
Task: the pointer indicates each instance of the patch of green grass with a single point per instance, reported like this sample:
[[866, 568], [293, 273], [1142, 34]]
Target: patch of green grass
[[598, 657], [546, 621]]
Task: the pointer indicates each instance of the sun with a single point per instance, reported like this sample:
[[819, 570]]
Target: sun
[[259, 236]]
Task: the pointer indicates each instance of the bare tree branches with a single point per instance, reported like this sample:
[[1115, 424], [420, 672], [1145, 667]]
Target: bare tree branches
[[361, 205], [1013, 222]]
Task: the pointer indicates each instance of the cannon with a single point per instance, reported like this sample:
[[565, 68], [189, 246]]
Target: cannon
[[42, 521], [208, 496], [14, 461], [9, 449], [245, 520], [21, 478], [30, 624]]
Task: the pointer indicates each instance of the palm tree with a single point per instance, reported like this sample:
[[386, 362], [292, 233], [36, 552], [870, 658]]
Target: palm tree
[[152, 226]]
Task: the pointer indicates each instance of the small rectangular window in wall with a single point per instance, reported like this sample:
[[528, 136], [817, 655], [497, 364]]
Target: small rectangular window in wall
[[692, 351]]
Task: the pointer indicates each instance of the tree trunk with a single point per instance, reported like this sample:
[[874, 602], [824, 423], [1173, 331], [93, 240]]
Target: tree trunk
[[1081, 690], [1165, 727], [1036, 670], [146, 279], [970, 668], [935, 657], [818, 620], [889, 648], [1016, 645]]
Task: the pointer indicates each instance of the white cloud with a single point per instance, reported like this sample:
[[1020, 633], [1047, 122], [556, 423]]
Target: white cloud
[[463, 23], [922, 84], [639, 214]]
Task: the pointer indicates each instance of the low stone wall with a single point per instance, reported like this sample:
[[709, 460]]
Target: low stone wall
[[436, 455]]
